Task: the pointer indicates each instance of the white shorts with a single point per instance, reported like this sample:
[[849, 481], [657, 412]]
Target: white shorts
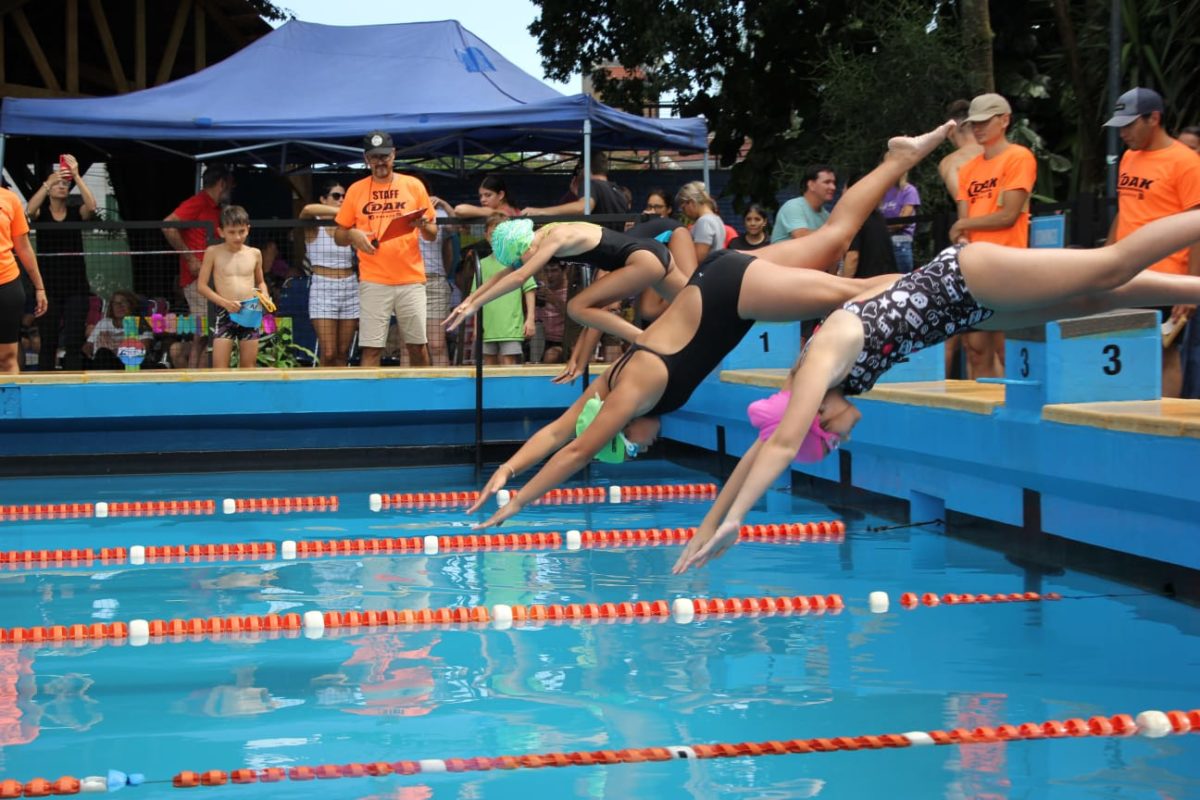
[[509, 348], [333, 298], [197, 303], [379, 301], [437, 296]]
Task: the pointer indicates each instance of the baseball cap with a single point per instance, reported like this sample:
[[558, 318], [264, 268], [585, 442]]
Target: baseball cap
[[377, 142], [1133, 104], [986, 106]]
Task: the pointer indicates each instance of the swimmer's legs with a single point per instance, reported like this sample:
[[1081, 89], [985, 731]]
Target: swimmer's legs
[[589, 307], [1143, 290], [1014, 279], [824, 246]]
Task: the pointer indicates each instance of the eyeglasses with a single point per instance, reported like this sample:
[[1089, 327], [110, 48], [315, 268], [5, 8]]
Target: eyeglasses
[[337, 195]]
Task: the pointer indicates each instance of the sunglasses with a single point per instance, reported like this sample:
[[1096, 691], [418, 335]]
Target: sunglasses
[[337, 195]]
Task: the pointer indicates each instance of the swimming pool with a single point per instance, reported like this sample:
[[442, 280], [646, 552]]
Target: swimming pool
[[459, 691]]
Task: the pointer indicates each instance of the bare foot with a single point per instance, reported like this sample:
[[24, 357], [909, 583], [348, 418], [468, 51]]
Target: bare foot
[[915, 148]]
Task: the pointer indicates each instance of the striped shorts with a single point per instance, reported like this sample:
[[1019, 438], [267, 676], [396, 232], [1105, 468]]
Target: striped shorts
[[333, 298]]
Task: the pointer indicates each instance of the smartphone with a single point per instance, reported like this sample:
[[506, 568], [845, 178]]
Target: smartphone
[[64, 171]]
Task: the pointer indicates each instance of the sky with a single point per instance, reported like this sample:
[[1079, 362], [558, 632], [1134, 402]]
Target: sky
[[504, 24]]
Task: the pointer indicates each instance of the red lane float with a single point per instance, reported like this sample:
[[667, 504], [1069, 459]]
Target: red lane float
[[159, 508], [1148, 723], [911, 600], [279, 505], [577, 494], [179, 553], [46, 511]]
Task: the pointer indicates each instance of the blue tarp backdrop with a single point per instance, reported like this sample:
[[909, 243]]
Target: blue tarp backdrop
[[435, 86]]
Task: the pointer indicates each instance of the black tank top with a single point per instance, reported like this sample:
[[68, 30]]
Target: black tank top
[[64, 276], [719, 279]]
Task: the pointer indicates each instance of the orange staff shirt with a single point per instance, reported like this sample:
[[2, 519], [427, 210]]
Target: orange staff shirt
[[370, 206], [982, 183], [12, 225], [1155, 184]]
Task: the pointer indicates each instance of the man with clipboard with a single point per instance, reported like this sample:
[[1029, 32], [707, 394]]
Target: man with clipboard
[[381, 218]]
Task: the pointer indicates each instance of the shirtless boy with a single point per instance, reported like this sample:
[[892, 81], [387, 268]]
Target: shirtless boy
[[238, 274]]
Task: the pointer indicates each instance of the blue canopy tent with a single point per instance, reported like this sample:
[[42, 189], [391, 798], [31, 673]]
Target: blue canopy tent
[[308, 92]]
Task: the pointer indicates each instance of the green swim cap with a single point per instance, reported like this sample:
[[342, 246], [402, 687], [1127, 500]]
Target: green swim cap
[[510, 239], [614, 451]]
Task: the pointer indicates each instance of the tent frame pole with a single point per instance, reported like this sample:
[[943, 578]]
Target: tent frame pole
[[587, 167]]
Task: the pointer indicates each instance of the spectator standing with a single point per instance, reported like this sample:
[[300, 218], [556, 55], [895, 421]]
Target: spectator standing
[[901, 200], [14, 244], [493, 199], [993, 206], [437, 255], [509, 319], [965, 147], [756, 221], [63, 266], [333, 291], [203, 207], [391, 272], [802, 215], [551, 313], [1190, 136], [708, 231], [605, 197], [237, 272], [1159, 176]]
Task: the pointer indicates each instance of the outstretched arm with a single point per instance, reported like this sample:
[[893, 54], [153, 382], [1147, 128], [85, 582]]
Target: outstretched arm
[[619, 408], [826, 362], [691, 555], [505, 281], [546, 441]]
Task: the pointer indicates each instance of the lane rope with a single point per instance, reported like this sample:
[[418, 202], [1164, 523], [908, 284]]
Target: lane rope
[[788, 532], [314, 624], [1150, 724]]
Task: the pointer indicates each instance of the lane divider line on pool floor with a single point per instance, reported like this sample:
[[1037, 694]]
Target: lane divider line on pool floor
[[788, 532], [1151, 724], [579, 494], [314, 623]]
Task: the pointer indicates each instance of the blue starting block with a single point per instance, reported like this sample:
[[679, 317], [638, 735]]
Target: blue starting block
[[768, 345], [1107, 357]]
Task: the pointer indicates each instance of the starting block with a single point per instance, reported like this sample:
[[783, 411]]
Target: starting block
[[1107, 357]]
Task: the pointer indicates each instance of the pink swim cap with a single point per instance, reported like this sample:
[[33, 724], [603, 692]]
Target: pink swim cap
[[765, 415]]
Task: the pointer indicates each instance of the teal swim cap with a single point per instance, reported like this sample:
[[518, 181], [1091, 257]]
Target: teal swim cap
[[614, 451], [510, 239]]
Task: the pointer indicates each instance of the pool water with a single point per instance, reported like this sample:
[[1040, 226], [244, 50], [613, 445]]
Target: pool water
[[386, 695]]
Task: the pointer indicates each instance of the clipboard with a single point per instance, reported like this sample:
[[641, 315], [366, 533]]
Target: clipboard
[[400, 225]]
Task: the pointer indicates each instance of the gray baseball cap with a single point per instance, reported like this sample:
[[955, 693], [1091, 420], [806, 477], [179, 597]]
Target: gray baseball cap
[[1133, 104]]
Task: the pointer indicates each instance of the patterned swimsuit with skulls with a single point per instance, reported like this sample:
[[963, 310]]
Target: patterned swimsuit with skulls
[[923, 308]]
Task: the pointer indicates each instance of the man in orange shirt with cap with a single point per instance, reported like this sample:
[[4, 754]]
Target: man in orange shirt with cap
[[1159, 176], [993, 206], [391, 270]]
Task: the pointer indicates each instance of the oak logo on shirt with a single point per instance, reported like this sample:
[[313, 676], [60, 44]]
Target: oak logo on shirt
[[977, 188], [1132, 183], [384, 202]]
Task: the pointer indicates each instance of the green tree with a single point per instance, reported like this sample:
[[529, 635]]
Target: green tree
[[747, 66], [893, 72]]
